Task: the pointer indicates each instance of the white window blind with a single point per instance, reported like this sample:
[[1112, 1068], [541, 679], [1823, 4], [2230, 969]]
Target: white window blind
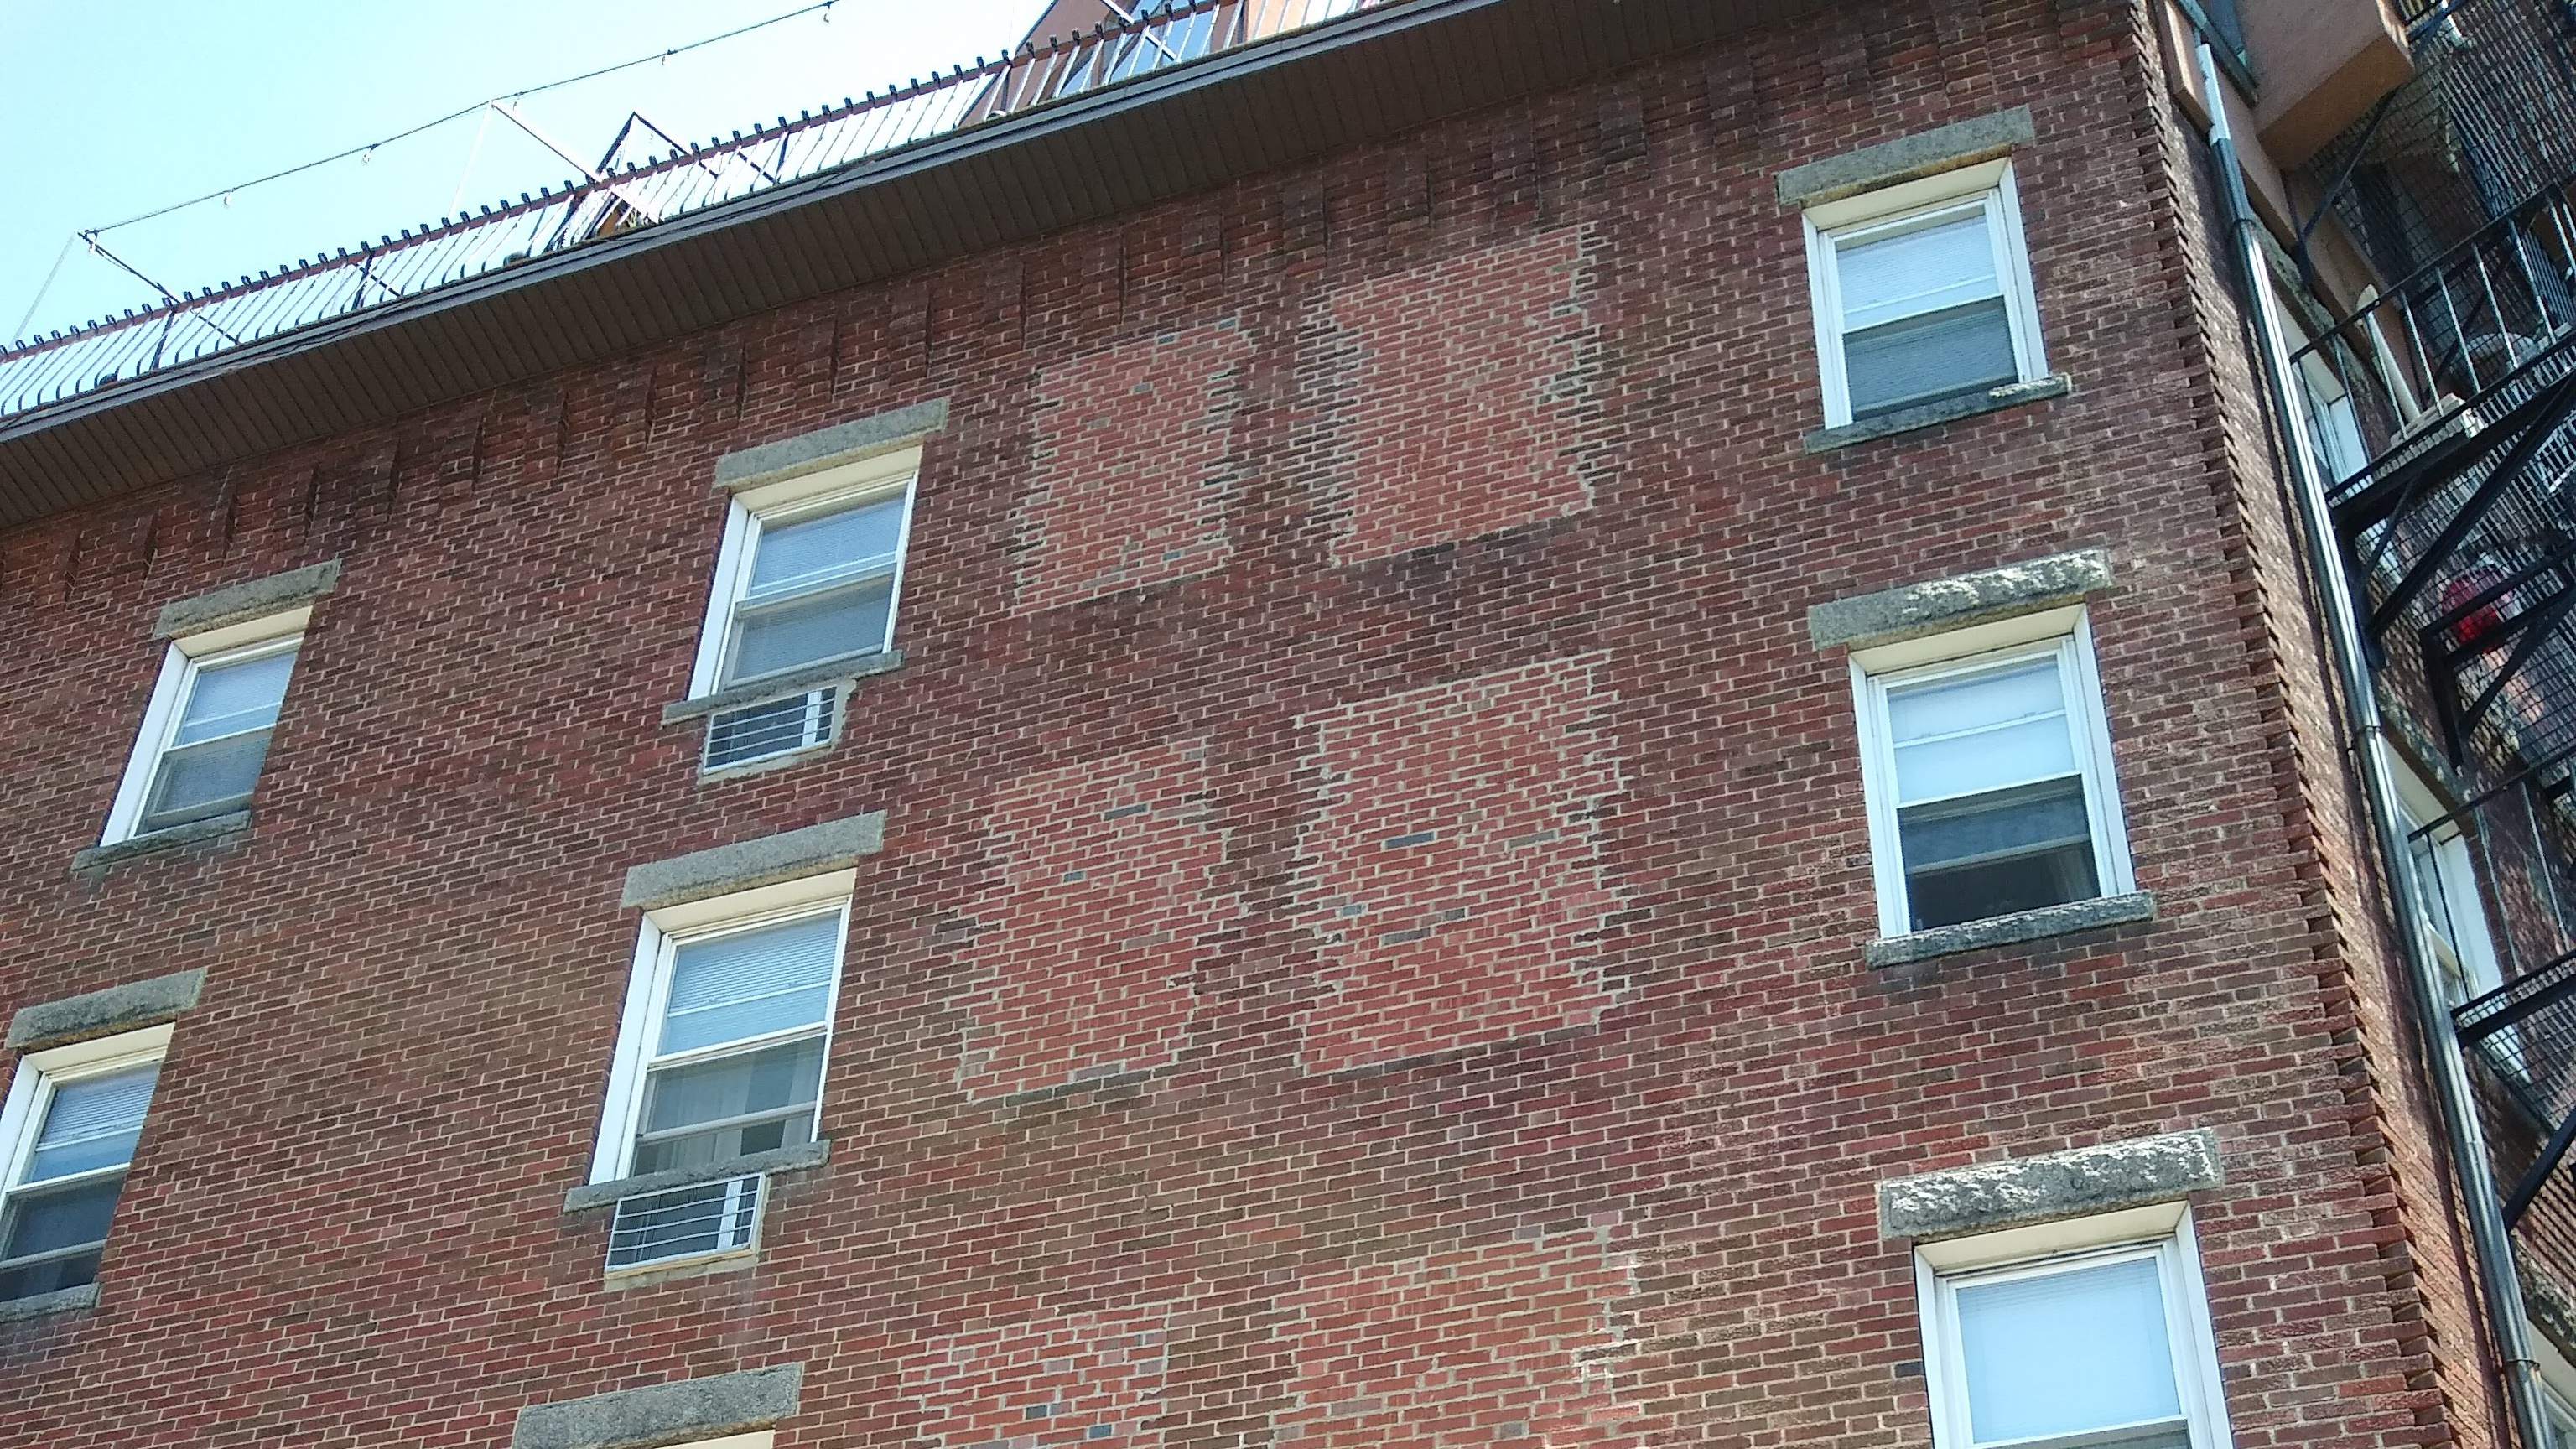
[[737, 1060], [819, 586], [2089, 1350], [2070, 1353], [54, 1220], [1921, 293], [1991, 807], [1925, 315], [212, 759]]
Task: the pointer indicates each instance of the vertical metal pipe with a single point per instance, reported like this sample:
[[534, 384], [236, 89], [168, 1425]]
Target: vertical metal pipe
[[2489, 1242]]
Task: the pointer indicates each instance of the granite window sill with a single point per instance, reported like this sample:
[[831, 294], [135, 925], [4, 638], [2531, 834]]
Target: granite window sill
[[846, 669], [45, 1305], [213, 829], [1933, 414], [2021, 926], [593, 1195]]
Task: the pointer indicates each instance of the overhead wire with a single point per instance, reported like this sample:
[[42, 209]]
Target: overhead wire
[[655, 58]]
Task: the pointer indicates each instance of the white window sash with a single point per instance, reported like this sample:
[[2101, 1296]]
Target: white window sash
[[2189, 1337], [2468, 949], [180, 665], [2001, 204], [729, 591], [648, 993], [2088, 730], [31, 1097]]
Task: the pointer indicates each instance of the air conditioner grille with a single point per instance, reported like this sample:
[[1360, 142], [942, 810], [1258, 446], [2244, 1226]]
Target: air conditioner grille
[[773, 727], [686, 1222]]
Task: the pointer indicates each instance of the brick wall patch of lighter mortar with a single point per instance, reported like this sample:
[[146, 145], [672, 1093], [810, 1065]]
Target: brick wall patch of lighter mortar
[[1907, 158], [2043, 1189], [660, 1414], [1911, 611], [244, 602], [99, 1013], [748, 863], [825, 447]]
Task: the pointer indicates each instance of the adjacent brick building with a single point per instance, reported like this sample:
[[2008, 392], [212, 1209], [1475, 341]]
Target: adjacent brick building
[[1597, 723]]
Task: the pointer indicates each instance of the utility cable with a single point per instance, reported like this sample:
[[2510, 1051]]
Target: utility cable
[[657, 57]]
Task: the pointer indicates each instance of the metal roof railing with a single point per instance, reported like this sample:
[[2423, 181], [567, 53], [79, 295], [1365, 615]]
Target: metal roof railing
[[41, 372]]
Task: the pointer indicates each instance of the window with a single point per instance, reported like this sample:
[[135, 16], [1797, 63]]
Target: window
[[2446, 882], [2103, 1347], [205, 733], [68, 1132], [1988, 776], [2334, 429], [728, 1020], [1922, 292], [809, 573]]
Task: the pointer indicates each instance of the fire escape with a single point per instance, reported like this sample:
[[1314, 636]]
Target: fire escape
[[2445, 411]]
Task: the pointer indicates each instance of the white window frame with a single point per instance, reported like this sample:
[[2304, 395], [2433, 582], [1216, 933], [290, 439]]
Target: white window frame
[[663, 932], [180, 665], [1832, 223], [2557, 1393], [847, 485], [31, 1093], [2470, 962], [2065, 633], [2162, 1231]]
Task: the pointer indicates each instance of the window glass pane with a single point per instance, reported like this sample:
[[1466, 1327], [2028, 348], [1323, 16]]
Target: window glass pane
[[92, 1123], [1949, 353], [230, 698], [205, 779], [814, 552], [752, 1103], [749, 984], [1992, 855], [2066, 1352], [1982, 732], [48, 1274], [810, 628], [76, 1216], [1927, 269]]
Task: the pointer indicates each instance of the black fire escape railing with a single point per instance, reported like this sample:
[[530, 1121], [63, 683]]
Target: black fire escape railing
[[2526, 1033], [2444, 411]]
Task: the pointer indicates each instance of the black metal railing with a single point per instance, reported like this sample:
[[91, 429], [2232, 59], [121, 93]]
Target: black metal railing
[[640, 185], [2525, 1033]]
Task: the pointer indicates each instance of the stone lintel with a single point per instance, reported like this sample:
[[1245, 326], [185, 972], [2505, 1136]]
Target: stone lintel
[[778, 1159], [829, 447], [242, 603], [1937, 606], [104, 1013], [1907, 158], [661, 1414], [2027, 1190], [832, 845]]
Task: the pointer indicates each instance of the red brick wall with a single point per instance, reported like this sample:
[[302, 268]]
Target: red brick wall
[[345, 1226]]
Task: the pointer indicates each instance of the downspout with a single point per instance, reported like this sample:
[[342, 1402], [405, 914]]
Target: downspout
[[2489, 1242]]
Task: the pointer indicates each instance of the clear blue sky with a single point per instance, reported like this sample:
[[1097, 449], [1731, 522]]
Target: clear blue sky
[[115, 107]]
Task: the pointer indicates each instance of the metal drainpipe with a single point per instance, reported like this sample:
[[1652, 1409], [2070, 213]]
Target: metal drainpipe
[[2489, 1241]]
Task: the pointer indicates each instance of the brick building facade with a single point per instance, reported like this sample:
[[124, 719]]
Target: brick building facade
[[1351, 905]]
